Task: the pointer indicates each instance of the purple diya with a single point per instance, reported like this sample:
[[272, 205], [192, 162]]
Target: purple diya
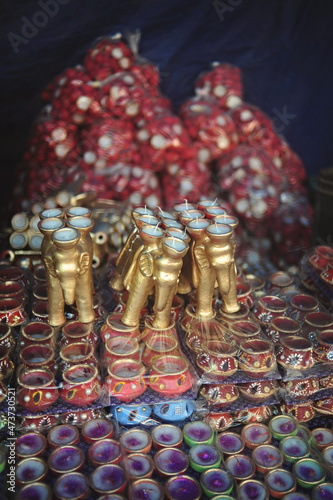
[[229, 443], [108, 479], [308, 473], [323, 437], [138, 466], [294, 448], [198, 432], [241, 467], [323, 491], [182, 487], [66, 459], [31, 444], [35, 491], [166, 436], [73, 486], [62, 435], [105, 451], [145, 489], [204, 456], [280, 482], [252, 490], [328, 455], [171, 462], [266, 458], [256, 434], [136, 440], [30, 470], [282, 426], [94, 430], [216, 481]]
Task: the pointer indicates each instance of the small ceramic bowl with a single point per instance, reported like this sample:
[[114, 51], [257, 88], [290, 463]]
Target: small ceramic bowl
[[308, 472]]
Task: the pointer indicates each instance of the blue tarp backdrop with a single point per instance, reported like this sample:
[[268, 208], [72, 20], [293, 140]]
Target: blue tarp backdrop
[[284, 48]]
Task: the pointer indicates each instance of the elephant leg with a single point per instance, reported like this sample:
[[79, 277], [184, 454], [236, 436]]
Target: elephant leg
[[141, 286], [230, 303], [205, 291], [84, 298], [162, 307], [56, 301]]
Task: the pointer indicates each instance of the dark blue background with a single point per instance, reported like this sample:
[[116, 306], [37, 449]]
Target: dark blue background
[[284, 48]]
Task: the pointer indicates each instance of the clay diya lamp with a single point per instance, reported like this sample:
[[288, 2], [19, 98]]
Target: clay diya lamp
[[257, 282], [37, 332], [170, 375], [323, 437], [126, 379], [218, 359], [244, 294], [171, 462], [204, 457], [202, 204], [162, 213], [6, 364], [105, 451], [39, 275], [219, 395], [166, 436], [38, 356], [295, 353], [279, 482], [181, 207], [37, 491], [158, 345], [327, 274], [257, 358], [74, 331], [296, 495], [63, 435], [300, 388], [77, 354], [150, 331], [241, 467], [30, 444], [229, 443], [138, 466], [202, 330], [324, 351], [282, 426], [315, 322], [118, 348], [108, 479], [145, 488], [187, 215], [36, 389], [51, 212], [302, 304], [213, 211], [266, 458], [94, 430], [30, 470], [170, 223], [323, 491], [13, 290], [72, 486], [178, 488], [136, 441], [250, 489], [114, 327], [279, 280], [6, 337], [244, 330], [281, 327], [198, 432], [216, 481], [81, 385], [328, 455], [256, 434], [294, 448], [321, 257], [258, 391], [12, 312], [66, 459], [308, 472], [268, 308], [39, 293], [40, 311]]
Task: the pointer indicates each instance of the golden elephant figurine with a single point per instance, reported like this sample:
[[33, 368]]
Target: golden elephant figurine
[[69, 277]]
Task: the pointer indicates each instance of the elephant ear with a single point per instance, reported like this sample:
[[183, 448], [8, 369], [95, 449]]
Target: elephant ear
[[48, 261], [84, 262], [201, 257], [146, 264]]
